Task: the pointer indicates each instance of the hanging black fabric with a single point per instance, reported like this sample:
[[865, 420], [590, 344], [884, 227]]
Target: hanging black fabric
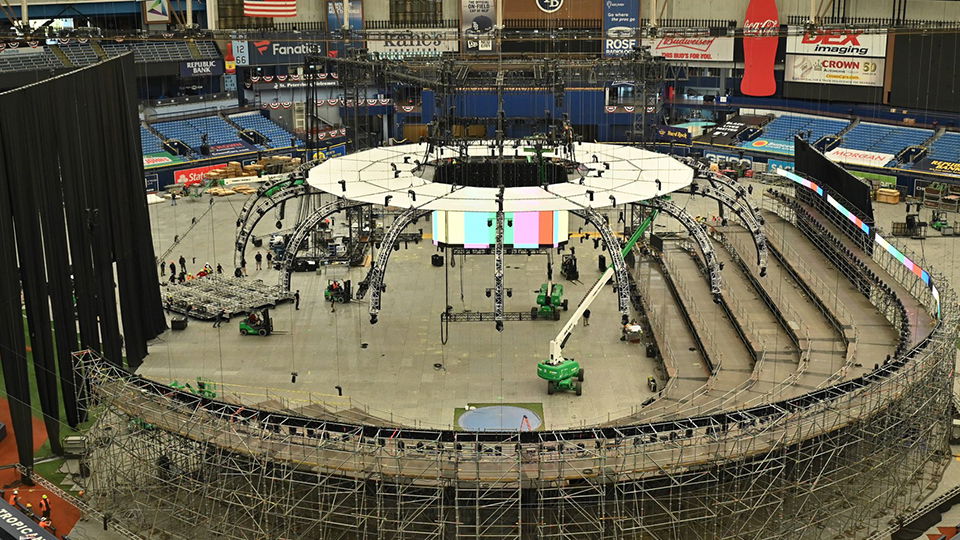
[[74, 232]]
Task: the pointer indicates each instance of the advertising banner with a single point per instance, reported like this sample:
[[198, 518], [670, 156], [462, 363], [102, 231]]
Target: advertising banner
[[335, 21], [834, 70], [156, 12], [673, 134], [770, 145], [729, 129], [278, 52], [477, 18], [710, 49], [774, 164], [939, 166], [201, 68], [621, 20], [241, 53], [226, 149], [718, 157], [184, 176], [160, 159], [837, 42], [761, 29], [418, 42], [15, 524], [859, 157]]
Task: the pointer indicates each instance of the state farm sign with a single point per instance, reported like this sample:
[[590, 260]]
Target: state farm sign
[[710, 49], [184, 176], [837, 43]]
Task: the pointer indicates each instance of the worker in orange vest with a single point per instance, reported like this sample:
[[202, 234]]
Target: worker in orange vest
[[45, 507], [45, 523], [14, 498]]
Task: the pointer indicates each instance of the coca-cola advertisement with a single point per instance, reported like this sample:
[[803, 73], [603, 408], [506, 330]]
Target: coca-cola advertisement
[[761, 29]]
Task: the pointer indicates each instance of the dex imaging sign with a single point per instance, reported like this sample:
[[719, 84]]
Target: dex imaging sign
[[837, 42]]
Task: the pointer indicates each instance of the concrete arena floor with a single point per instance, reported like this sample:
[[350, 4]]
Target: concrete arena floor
[[394, 376]]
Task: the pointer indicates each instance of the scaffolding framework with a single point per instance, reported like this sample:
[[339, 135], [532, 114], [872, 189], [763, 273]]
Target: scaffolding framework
[[843, 460]]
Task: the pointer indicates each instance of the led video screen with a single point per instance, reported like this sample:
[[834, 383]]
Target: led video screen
[[521, 230]]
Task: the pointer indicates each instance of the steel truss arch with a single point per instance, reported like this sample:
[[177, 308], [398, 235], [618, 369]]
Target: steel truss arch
[[257, 206], [300, 233], [744, 211], [620, 273], [374, 279], [699, 235]]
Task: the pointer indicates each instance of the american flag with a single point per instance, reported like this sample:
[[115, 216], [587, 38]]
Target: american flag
[[270, 8]]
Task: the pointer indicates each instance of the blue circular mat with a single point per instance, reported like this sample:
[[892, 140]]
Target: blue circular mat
[[499, 418]]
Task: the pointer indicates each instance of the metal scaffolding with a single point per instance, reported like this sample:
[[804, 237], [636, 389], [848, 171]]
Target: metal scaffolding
[[843, 460]]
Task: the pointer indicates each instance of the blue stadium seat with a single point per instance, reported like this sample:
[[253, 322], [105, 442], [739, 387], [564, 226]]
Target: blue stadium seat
[[883, 139], [149, 142], [946, 148], [191, 131], [276, 135], [784, 127]]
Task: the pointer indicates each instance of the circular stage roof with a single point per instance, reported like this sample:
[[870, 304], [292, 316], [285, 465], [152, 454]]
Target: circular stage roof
[[369, 176]]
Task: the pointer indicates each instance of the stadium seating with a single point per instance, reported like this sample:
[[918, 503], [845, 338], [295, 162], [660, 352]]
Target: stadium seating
[[786, 126], [149, 142], [883, 139], [947, 147], [150, 51], [276, 135], [43, 58], [80, 54], [208, 49], [191, 131]]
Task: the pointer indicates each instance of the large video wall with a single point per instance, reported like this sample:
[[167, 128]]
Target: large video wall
[[521, 230]]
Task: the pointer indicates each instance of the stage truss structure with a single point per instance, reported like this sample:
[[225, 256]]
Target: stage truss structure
[[842, 460]]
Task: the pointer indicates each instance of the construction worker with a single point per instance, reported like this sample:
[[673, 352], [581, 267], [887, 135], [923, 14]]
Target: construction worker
[[45, 507], [29, 511], [14, 498]]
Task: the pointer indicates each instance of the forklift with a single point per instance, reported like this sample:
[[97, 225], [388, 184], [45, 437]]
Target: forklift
[[568, 267], [338, 291], [257, 323], [549, 302]]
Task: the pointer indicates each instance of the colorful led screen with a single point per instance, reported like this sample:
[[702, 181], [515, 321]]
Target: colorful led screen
[[522, 230]]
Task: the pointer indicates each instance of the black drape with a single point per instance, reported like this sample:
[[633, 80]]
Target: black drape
[[74, 237]]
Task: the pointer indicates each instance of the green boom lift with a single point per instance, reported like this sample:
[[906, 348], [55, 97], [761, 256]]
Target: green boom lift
[[565, 373]]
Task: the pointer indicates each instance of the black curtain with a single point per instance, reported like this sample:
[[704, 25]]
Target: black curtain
[[74, 238]]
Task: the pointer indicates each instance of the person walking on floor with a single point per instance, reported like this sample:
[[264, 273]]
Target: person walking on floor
[[173, 268], [14, 498], [258, 258], [219, 269], [269, 259], [296, 300], [243, 266], [45, 507], [219, 320], [586, 317], [173, 199], [183, 264], [163, 268]]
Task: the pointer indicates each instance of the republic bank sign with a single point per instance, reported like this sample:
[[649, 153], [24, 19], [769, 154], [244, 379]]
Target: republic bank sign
[[420, 42]]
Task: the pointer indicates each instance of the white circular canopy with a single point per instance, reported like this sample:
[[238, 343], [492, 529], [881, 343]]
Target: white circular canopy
[[632, 176]]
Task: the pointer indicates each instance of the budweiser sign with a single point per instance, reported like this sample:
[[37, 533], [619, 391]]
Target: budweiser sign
[[692, 48]]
